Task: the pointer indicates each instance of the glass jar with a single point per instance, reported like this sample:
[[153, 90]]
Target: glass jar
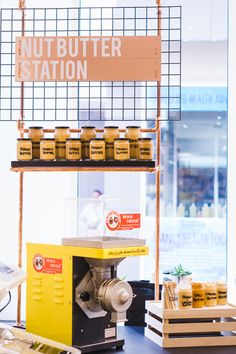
[[35, 134], [145, 149], [133, 134], [73, 149], [185, 298], [110, 134], [97, 149], [86, 135], [221, 288], [61, 135], [121, 149], [198, 295], [210, 294], [47, 149], [24, 149]]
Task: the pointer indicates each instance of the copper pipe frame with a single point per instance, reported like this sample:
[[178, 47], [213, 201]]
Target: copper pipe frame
[[20, 126], [158, 158]]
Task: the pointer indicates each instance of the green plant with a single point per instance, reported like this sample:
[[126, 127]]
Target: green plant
[[179, 271]]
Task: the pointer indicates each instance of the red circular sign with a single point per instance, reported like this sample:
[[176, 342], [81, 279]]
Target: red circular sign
[[38, 263], [113, 220]]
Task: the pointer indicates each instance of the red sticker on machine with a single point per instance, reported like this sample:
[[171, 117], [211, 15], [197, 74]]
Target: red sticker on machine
[[116, 221], [47, 265]]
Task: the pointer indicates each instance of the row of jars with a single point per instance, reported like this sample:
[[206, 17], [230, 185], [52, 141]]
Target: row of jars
[[202, 294], [111, 146]]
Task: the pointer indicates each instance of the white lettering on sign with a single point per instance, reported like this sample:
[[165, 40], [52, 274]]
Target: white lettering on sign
[[74, 58]]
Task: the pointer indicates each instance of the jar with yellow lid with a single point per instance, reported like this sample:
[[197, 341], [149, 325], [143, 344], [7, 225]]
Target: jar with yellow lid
[[121, 149], [133, 134], [87, 133], [110, 134], [73, 149], [221, 288], [47, 149], [97, 149], [198, 295], [145, 149], [35, 134], [24, 149], [61, 135], [210, 294]]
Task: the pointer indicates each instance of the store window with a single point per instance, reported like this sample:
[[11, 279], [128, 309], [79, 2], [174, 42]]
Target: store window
[[194, 154]]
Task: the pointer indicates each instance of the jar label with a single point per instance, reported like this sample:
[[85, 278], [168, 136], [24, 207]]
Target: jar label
[[210, 295], [186, 300], [97, 150], [222, 294], [48, 151], [23, 151]]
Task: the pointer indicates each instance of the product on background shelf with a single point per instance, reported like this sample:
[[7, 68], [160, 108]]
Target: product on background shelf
[[198, 294], [210, 294], [24, 149], [221, 288], [121, 149], [36, 134], [47, 149], [110, 134], [97, 149], [61, 135], [168, 295], [133, 134], [87, 133], [145, 149], [73, 149]]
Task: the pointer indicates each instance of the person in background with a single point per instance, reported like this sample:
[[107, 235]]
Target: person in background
[[91, 214]]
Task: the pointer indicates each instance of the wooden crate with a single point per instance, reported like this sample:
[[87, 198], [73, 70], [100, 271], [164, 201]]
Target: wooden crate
[[208, 326]]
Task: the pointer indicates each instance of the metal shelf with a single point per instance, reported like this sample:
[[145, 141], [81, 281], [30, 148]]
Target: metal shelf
[[83, 166]]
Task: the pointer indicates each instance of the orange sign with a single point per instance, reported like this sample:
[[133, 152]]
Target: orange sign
[[47, 265], [116, 221], [120, 58]]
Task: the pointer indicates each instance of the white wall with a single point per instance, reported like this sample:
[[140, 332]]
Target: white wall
[[231, 155]]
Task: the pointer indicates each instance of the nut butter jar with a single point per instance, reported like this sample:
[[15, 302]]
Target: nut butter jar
[[35, 134], [24, 149], [145, 149], [221, 288], [86, 135], [210, 294], [133, 134], [73, 149], [47, 149], [110, 134], [97, 149], [198, 294], [61, 135], [121, 149]]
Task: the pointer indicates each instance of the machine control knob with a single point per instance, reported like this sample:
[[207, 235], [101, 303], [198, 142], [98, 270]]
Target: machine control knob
[[85, 296], [123, 296]]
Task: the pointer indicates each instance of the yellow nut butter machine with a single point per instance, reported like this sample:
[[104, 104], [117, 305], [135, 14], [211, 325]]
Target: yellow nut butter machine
[[73, 293]]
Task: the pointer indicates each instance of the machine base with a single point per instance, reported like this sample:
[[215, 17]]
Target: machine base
[[109, 343]]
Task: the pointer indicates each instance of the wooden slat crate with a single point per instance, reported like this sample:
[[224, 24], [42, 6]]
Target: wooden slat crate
[[208, 326]]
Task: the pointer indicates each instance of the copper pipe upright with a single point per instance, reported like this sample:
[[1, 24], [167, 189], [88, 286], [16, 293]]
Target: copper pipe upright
[[158, 159], [20, 244], [21, 129]]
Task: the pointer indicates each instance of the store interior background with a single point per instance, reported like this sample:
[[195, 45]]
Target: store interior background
[[193, 156]]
